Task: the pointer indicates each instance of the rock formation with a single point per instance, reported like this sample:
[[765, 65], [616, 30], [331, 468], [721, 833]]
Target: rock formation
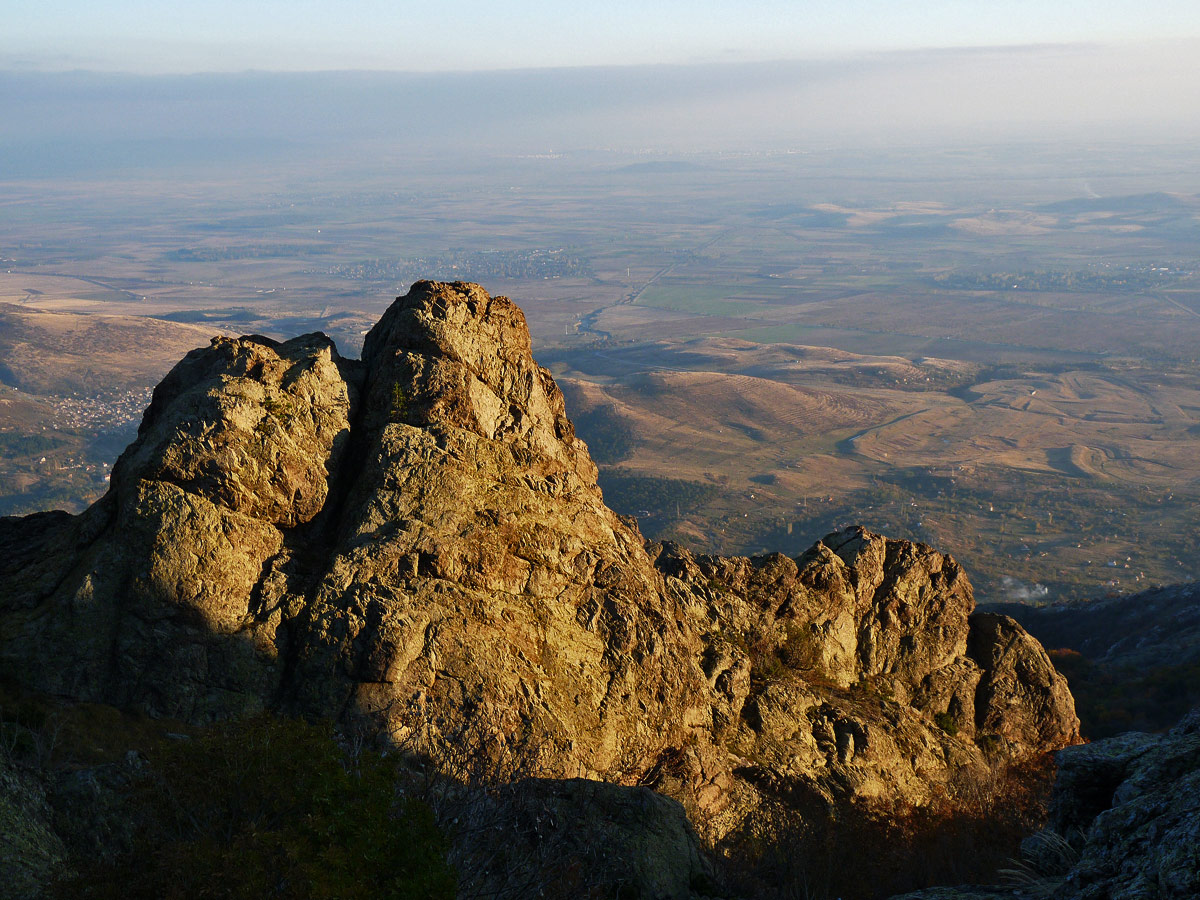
[[415, 544], [1129, 807], [30, 851]]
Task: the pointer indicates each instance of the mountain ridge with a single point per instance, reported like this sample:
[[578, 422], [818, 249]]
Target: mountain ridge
[[415, 545]]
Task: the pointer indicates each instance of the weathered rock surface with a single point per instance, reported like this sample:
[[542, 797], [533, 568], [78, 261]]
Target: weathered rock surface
[[1136, 801], [858, 669], [415, 544], [966, 892], [31, 851]]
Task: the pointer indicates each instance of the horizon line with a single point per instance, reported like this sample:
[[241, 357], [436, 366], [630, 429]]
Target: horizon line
[[30, 67]]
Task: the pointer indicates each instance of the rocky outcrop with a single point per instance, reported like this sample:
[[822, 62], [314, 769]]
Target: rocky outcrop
[[415, 544], [1020, 697], [1131, 807], [858, 669], [153, 597]]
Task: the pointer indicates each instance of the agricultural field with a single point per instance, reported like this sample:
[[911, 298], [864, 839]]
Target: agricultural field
[[964, 347]]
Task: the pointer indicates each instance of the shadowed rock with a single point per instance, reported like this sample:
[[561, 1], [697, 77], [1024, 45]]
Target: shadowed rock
[[1124, 824]]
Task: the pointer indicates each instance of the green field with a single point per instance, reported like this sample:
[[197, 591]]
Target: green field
[[705, 300]]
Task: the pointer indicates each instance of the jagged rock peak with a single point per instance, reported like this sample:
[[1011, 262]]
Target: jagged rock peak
[[249, 423], [415, 544], [459, 320], [451, 355]]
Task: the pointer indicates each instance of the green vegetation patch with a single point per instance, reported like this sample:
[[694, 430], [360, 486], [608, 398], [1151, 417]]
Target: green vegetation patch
[[609, 437], [14, 444], [1113, 699], [1135, 278], [632, 494], [269, 807]]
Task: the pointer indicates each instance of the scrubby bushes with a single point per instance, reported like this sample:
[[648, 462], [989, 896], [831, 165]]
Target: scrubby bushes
[[864, 851], [264, 808], [631, 493], [1112, 699], [609, 437]]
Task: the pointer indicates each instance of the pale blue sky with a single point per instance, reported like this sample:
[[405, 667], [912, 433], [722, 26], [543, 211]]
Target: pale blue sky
[[232, 35]]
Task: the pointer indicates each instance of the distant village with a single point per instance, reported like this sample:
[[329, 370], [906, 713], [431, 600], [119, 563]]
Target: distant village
[[469, 266], [105, 412]]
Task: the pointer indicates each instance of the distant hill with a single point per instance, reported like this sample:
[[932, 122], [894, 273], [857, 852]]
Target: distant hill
[[72, 391], [1152, 202], [1143, 630], [64, 353]]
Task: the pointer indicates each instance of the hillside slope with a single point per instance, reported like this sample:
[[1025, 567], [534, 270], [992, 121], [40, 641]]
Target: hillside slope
[[72, 388]]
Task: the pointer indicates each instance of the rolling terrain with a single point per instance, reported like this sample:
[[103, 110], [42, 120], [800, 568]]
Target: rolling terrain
[[1072, 483], [992, 349]]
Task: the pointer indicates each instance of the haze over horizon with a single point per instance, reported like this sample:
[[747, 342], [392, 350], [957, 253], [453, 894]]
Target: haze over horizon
[[53, 123], [469, 35], [84, 86]]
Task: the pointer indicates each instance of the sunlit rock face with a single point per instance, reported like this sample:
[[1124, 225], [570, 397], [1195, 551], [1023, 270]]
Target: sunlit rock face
[[415, 544]]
